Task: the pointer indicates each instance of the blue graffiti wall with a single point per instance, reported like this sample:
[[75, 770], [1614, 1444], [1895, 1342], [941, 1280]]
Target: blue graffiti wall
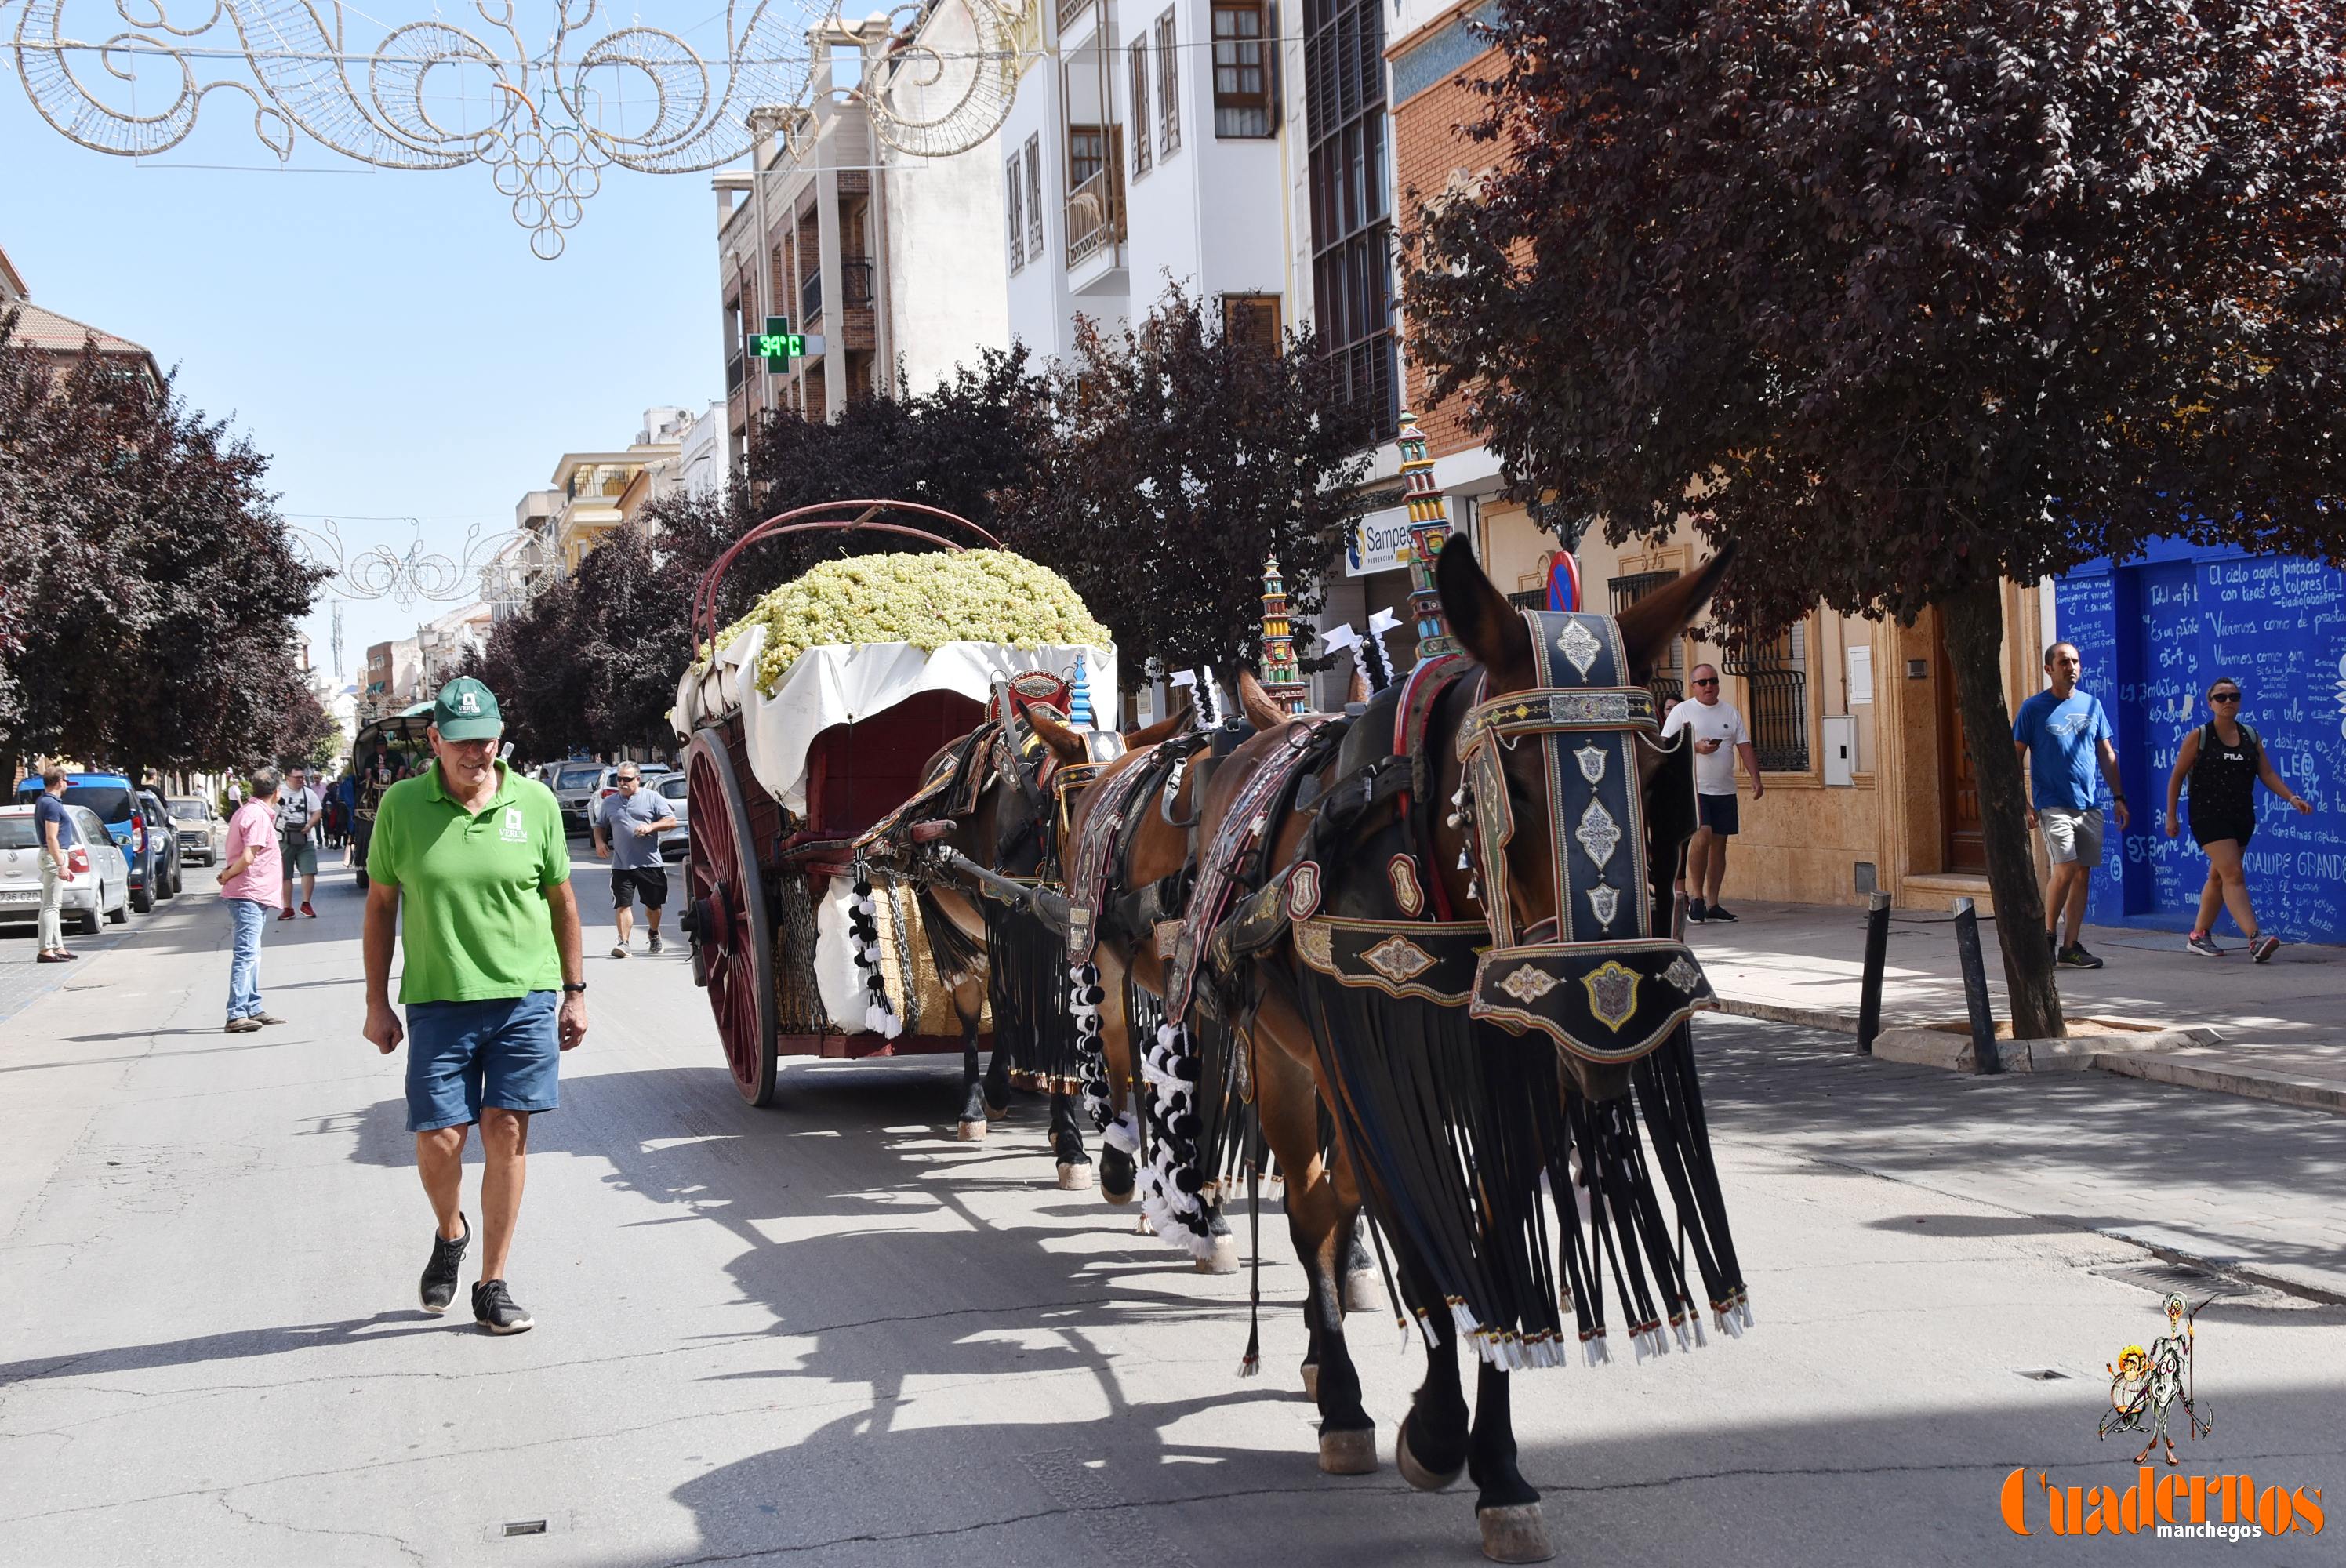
[[2153, 634]]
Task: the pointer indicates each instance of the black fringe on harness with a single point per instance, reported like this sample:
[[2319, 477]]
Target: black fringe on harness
[[1027, 985], [957, 955], [1456, 1124]]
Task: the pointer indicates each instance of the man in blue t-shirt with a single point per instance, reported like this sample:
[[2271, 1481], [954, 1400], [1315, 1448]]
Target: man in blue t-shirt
[[2062, 735]]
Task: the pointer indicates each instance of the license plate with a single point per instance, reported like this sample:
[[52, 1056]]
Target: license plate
[[20, 895]]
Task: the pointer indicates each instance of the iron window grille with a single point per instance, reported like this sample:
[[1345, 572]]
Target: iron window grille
[[1669, 677], [1169, 90], [1141, 145], [855, 283], [1776, 679], [1242, 96], [1351, 214]]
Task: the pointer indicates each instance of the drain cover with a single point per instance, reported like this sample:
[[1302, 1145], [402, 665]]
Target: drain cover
[[525, 1527]]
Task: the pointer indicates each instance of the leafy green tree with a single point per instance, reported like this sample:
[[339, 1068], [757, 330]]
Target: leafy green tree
[[1178, 459], [1909, 300]]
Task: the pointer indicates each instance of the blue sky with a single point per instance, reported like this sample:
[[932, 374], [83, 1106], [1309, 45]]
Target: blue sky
[[387, 338]]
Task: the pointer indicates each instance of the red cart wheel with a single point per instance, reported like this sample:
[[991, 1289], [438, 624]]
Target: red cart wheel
[[733, 933]]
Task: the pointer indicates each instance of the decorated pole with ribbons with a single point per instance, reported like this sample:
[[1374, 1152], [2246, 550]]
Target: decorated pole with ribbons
[[1282, 678], [1429, 526]]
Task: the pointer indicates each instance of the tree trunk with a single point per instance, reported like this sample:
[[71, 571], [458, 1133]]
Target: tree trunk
[[1974, 627]]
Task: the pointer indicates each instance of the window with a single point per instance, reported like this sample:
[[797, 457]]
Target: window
[[1670, 675], [1034, 196], [1252, 319], [1018, 216], [1168, 91], [1351, 217], [1140, 142], [1242, 68], [1086, 153], [1776, 680]]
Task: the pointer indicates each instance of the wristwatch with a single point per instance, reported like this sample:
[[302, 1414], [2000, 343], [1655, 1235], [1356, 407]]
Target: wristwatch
[[579, 989]]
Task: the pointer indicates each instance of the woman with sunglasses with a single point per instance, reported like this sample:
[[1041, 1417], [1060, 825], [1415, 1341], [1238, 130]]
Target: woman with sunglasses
[[2222, 760]]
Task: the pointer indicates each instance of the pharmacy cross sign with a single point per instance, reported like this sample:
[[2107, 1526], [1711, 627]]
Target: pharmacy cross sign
[[778, 346]]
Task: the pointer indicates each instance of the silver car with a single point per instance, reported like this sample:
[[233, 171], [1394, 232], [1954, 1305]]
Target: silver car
[[673, 788], [103, 890], [201, 829]]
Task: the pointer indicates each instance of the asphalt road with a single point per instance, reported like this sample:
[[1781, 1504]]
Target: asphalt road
[[828, 1333]]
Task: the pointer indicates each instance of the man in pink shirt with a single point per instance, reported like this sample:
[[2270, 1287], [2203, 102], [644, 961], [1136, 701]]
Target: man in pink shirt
[[251, 882]]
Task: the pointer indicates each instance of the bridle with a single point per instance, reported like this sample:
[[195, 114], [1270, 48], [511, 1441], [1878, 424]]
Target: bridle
[[1601, 978]]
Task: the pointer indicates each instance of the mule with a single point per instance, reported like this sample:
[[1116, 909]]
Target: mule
[[1469, 1239]]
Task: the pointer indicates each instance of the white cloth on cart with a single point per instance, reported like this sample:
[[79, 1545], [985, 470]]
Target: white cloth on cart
[[845, 685], [836, 978]]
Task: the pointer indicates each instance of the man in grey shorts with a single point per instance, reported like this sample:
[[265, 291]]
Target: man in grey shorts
[[626, 834], [2063, 736]]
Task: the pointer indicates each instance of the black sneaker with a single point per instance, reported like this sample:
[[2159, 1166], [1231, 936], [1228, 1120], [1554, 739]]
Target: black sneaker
[[2262, 948], [2075, 956], [1720, 912], [493, 1309], [439, 1287], [657, 945], [1696, 913]]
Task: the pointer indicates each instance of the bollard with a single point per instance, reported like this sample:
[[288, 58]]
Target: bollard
[[1877, 954], [1967, 950]]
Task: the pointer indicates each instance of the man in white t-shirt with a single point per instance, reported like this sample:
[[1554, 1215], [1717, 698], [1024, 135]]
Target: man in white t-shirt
[[1718, 740], [300, 811]]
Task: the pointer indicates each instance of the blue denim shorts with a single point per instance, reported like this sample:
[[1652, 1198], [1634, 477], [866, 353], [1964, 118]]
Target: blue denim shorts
[[461, 1056]]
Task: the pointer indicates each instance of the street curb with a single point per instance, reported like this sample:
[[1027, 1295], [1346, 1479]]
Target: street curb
[[2144, 1055]]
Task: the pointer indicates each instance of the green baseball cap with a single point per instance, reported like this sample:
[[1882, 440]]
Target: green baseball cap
[[466, 710]]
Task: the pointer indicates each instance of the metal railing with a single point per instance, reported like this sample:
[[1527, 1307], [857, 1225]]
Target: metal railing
[[736, 367], [1096, 213], [810, 298], [1778, 717], [855, 283]]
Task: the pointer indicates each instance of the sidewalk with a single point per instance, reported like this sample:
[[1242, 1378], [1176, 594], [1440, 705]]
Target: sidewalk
[[2282, 1025]]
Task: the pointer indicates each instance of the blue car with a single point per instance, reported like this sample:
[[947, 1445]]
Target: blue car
[[116, 802]]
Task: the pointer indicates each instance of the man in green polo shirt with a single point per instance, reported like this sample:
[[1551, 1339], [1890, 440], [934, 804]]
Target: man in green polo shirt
[[475, 856]]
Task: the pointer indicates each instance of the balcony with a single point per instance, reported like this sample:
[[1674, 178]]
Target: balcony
[[855, 283], [1072, 11], [1096, 214], [734, 370], [809, 299]]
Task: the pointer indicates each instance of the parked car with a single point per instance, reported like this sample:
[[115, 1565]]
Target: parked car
[[672, 787], [574, 785], [202, 830], [103, 889], [167, 854], [111, 796]]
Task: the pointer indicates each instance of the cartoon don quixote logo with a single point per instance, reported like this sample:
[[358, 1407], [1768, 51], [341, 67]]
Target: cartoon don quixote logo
[[2146, 1385]]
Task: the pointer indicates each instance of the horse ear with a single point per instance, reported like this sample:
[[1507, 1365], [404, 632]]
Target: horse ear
[[1359, 690], [1065, 742], [1480, 619], [1257, 705], [1654, 622]]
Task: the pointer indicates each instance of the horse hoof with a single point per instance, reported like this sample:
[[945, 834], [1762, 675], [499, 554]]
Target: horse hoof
[[1312, 1381], [1115, 1198], [1351, 1452], [1416, 1475], [1074, 1178], [1360, 1291], [994, 1113], [972, 1132], [1515, 1534], [1223, 1260]]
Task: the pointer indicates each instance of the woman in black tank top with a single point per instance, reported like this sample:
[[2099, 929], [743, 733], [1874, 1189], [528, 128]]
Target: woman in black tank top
[[2222, 760]]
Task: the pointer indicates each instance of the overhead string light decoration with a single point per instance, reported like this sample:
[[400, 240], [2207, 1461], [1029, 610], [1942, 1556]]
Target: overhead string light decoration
[[504, 567], [937, 80]]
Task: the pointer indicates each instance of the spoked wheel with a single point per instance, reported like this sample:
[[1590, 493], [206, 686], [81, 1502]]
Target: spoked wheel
[[732, 931]]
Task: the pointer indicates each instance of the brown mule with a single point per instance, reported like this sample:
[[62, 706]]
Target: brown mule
[[1011, 831], [1298, 1063]]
